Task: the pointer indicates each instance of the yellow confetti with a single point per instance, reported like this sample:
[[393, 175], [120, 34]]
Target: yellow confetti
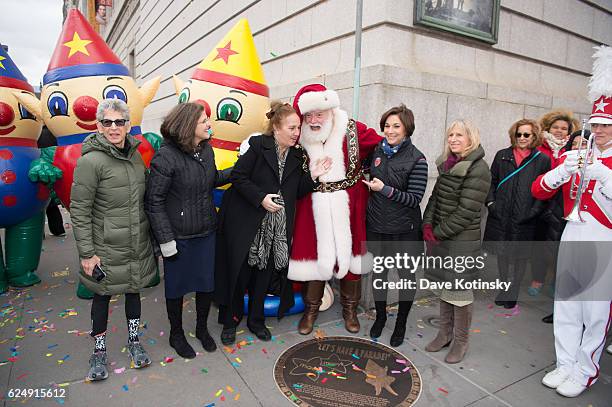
[[237, 396], [218, 393], [49, 354], [229, 388], [238, 360], [64, 384]]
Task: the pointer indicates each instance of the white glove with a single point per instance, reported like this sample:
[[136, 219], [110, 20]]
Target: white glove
[[599, 172], [168, 249], [560, 175]]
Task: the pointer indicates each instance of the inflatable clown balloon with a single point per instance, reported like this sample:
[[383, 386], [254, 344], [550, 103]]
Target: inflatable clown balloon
[[82, 72], [230, 84], [22, 201]]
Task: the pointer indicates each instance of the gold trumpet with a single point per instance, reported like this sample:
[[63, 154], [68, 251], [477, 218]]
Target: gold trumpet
[[578, 182]]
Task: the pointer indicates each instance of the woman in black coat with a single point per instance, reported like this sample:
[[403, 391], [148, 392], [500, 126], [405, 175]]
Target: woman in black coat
[[512, 209], [183, 218], [256, 226]]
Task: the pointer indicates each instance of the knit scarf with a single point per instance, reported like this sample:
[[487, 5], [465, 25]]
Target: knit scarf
[[554, 143], [272, 233]]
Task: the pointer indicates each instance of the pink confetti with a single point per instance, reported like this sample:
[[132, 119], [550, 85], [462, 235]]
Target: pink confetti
[[168, 359], [161, 333], [120, 370], [134, 379], [402, 361], [395, 372], [407, 368], [324, 380]]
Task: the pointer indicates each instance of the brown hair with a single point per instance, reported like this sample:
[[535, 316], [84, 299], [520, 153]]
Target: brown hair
[[278, 111], [535, 129], [567, 116], [180, 124], [405, 116]]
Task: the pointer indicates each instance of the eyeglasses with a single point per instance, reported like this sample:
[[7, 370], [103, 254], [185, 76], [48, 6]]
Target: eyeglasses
[[526, 135], [109, 123]]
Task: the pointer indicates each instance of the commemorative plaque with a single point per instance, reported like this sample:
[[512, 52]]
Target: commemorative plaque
[[342, 371]]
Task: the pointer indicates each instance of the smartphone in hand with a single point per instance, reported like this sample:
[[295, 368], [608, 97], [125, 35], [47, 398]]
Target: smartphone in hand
[[98, 274]]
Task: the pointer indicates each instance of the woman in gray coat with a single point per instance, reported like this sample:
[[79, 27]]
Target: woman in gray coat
[[111, 229]]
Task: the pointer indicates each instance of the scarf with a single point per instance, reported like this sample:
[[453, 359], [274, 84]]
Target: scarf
[[272, 233], [520, 155], [451, 161], [389, 150], [553, 143]]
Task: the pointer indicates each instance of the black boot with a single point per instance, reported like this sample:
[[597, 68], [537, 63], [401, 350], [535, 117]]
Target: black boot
[[202, 307], [177, 335], [381, 319], [397, 337]]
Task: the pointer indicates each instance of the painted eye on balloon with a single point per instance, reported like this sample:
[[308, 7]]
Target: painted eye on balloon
[[184, 96], [114, 92], [57, 104], [229, 109], [25, 113]]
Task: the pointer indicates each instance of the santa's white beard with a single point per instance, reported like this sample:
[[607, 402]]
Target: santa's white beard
[[310, 136]]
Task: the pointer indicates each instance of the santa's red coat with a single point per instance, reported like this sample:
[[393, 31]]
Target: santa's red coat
[[329, 233]]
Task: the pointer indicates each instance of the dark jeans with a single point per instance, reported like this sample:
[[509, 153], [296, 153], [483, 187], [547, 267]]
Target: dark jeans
[[256, 282], [99, 311]]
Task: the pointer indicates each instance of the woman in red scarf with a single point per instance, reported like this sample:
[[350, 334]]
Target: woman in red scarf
[[512, 209]]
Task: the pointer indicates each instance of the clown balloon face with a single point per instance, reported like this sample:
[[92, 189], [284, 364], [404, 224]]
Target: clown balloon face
[[15, 119], [69, 106], [235, 113]]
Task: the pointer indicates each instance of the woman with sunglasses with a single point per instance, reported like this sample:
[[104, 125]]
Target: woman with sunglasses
[[512, 209], [111, 229]]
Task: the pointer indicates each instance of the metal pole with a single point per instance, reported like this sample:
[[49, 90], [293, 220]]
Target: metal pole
[[357, 78]]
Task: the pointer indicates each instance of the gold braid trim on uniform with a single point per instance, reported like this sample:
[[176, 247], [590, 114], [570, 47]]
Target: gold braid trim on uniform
[[354, 173]]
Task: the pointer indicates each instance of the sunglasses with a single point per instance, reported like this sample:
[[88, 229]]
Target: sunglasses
[[526, 135], [109, 123]]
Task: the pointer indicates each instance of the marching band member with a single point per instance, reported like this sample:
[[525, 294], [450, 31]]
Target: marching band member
[[578, 349]]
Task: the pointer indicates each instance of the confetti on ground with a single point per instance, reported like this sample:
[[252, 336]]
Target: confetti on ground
[[22, 376], [237, 397], [204, 370], [355, 356], [230, 389], [402, 361], [443, 390], [218, 393], [63, 273], [324, 380], [168, 359], [120, 370], [264, 350], [476, 331], [125, 387], [395, 372]]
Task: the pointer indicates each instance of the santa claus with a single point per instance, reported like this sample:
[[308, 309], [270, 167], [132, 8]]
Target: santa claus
[[329, 234]]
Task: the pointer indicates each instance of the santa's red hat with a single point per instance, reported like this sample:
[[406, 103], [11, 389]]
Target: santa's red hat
[[315, 97], [600, 86]]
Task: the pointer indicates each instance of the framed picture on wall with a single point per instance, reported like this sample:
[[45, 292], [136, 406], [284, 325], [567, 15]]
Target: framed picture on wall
[[472, 18]]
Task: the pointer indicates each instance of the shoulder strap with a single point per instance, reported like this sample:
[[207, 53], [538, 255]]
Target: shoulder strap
[[513, 173]]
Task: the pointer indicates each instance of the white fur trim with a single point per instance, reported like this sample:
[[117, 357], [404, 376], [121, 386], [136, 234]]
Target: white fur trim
[[324, 100], [306, 270]]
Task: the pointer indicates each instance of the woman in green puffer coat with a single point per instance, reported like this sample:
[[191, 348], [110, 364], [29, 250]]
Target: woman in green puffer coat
[[111, 228], [452, 221]]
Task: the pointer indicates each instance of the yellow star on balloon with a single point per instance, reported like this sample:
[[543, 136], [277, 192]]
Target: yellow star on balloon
[[1, 64], [77, 45]]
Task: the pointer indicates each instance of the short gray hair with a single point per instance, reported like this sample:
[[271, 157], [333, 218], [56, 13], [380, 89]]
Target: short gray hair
[[116, 105]]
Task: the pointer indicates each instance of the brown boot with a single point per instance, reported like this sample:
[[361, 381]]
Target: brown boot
[[463, 321], [350, 293], [312, 295], [445, 332]]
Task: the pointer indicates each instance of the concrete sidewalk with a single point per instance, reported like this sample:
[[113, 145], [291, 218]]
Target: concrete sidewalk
[[44, 332]]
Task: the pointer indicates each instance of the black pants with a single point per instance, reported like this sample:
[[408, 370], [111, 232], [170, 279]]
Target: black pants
[[99, 311], [256, 282], [54, 218], [381, 244], [519, 267]]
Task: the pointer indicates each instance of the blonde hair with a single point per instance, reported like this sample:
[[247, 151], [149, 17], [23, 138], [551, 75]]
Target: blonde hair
[[468, 129]]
